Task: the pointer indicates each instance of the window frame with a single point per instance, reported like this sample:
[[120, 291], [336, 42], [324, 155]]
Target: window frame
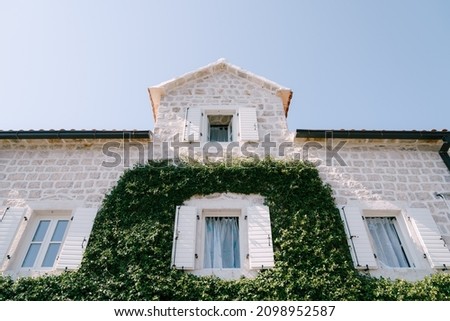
[[54, 216], [21, 224], [405, 233], [423, 244], [189, 234], [223, 111], [200, 241], [400, 228], [45, 243], [245, 127]]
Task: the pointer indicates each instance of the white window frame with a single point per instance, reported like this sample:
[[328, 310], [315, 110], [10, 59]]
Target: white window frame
[[231, 128], [53, 217], [420, 237], [225, 205], [196, 124], [224, 111], [201, 240], [26, 220], [404, 233]]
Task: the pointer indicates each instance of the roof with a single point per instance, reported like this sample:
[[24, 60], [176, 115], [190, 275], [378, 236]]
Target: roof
[[374, 134], [75, 134], [436, 135], [221, 65]]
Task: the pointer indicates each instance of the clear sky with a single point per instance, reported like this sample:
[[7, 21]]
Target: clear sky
[[352, 64]]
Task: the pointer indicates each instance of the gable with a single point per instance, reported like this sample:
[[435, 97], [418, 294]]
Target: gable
[[219, 83]]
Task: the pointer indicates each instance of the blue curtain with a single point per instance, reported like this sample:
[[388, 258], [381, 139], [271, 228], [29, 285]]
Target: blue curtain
[[222, 243]]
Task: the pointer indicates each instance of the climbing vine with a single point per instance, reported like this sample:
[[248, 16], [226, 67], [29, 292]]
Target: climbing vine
[[128, 256]]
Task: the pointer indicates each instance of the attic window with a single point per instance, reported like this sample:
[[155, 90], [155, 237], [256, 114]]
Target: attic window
[[220, 128]]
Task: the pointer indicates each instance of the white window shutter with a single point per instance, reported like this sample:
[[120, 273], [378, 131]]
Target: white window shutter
[[193, 125], [248, 124], [259, 238], [11, 217], [77, 238], [184, 237], [363, 255], [435, 248]]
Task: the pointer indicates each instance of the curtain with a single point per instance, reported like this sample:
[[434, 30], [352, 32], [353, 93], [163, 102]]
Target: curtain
[[218, 133], [388, 247], [222, 243]]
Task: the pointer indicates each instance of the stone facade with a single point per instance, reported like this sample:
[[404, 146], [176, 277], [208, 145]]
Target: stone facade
[[63, 170], [388, 170], [409, 172], [216, 91]]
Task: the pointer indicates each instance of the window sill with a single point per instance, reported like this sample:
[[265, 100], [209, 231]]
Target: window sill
[[14, 274], [408, 274], [226, 274]]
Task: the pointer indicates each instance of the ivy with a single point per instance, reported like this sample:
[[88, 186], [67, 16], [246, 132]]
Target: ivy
[[128, 256]]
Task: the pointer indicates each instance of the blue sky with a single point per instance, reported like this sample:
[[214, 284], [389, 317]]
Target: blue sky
[[86, 64]]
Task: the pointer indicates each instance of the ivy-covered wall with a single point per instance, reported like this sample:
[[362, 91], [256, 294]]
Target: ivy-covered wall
[[128, 256]]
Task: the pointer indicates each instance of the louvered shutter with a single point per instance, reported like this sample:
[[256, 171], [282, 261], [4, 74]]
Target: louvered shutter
[[77, 238], [248, 125], [435, 248], [193, 123], [184, 237], [11, 217], [363, 254], [259, 238]]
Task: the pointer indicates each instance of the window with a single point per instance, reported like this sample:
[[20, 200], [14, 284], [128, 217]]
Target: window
[[387, 242], [394, 238], [227, 239], [222, 249], [41, 241], [221, 124], [220, 128], [45, 244]]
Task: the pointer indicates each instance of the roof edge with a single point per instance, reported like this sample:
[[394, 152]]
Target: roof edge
[[76, 134], [373, 134], [160, 90]]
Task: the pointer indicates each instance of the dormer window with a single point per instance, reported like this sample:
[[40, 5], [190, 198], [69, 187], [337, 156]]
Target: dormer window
[[221, 124], [220, 128]]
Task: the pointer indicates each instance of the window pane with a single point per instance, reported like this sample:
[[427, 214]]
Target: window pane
[[41, 230], [60, 229], [388, 247], [222, 242], [218, 133], [32, 253], [50, 256]]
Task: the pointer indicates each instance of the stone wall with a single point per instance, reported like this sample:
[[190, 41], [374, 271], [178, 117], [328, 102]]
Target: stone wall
[[56, 170], [221, 89], [388, 170]]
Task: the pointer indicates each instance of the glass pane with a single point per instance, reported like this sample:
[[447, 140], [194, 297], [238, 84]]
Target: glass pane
[[388, 247], [60, 229], [222, 242], [50, 256], [32, 253], [218, 133], [41, 230]]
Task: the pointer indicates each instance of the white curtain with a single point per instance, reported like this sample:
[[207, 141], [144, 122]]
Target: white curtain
[[387, 243], [222, 243]]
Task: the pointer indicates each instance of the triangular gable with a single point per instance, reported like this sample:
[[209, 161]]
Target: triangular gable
[[221, 65]]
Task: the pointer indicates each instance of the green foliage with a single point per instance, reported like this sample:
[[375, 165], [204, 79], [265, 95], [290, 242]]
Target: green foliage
[[128, 256]]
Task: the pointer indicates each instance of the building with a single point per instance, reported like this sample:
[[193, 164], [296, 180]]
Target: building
[[391, 186]]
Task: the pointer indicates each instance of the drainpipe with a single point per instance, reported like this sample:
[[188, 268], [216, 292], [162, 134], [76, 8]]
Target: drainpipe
[[443, 152], [443, 196]]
